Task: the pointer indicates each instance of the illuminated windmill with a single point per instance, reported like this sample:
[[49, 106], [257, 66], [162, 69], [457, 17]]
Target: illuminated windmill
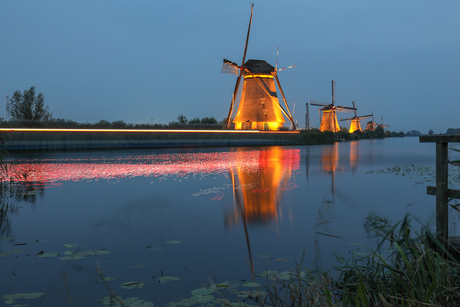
[[355, 121], [259, 107], [328, 114], [382, 125], [371, 125]]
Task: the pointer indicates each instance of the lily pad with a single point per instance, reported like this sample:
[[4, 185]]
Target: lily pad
[[286, 275], [202, 299], [250, 284], [46, 255], [268, 273], [202, 291], [140, 266], [9, 298], [226, 285], [250, 294], [127, 302], [155, 248], [132, 285], [95, 252], [11, 252], [72, 257], [166, 279], [83, 254], [70, 245], [174, 242]]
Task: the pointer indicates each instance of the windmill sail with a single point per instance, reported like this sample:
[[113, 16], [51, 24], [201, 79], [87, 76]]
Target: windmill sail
[[229, 67]]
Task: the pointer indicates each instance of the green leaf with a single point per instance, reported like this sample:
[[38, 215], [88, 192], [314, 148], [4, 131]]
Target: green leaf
[[70, 245], [174, 242], [46, 255], [250, 284], [202, 291]]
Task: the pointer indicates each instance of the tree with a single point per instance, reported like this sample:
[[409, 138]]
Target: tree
[[182, 119], [27, 106], [430, 132]]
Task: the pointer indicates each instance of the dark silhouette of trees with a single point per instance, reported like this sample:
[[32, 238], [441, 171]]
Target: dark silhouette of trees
[[27, 106]]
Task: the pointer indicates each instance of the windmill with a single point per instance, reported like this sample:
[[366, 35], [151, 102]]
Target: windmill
[[328, 114], [259, 107], [371, 125], [355, 121], [382, 125]]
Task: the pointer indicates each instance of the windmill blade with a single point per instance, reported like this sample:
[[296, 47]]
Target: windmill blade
[[347, 118], [277, 52], [292, 66], [285, 102], [354, 106], [247, 37], [241, 70], [333, 91], [235, 92], [344, 108], [230, 67], [317, 103], [364, 116]]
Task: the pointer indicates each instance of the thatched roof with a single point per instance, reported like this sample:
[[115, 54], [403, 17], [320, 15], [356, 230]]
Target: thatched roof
[[259, 67]]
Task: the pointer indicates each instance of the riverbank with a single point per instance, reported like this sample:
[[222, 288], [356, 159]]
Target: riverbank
[[16, 139]]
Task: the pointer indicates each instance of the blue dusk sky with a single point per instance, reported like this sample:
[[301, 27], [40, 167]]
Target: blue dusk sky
[[150, 61]]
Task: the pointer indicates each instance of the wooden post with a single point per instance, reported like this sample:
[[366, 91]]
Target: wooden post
[[442, 221], [442, 182]]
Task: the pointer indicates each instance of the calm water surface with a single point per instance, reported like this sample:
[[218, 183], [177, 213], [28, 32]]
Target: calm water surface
[[201, 215]]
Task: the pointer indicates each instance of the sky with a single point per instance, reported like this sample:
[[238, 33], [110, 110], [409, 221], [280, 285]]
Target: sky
[[150, 61]]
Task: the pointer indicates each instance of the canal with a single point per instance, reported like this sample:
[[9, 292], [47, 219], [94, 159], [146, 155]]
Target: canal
[[156, 224]]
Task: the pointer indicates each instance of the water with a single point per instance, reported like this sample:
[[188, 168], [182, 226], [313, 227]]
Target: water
[[201, 215]]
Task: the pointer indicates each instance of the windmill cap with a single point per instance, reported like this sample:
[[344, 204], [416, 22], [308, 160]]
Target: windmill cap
[[259, 67]]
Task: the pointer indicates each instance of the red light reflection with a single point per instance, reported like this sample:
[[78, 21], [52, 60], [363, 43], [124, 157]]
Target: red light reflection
[[53, 172]]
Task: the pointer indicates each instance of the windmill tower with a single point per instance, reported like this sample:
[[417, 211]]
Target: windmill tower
[[355, 121], [328, 114], [259, 107]]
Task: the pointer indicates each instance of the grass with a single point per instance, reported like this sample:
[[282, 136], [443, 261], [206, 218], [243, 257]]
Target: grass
[[405, 269]]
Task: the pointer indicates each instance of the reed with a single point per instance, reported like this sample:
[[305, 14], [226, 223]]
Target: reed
[[407, 268]]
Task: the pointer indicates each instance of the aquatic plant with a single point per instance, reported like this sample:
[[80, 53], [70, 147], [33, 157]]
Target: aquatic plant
[[405, 269]]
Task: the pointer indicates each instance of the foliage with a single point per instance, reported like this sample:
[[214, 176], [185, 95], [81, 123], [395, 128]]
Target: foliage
[[27, 106], [406, 269]]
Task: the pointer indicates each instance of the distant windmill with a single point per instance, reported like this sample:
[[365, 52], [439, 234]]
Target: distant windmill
[[259, 107], [328, 114], [371, 125], [382, 125], [355, 121]]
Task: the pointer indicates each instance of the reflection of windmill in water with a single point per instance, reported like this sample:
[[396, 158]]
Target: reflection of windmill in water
[[328, 114], [329, 164], [257, 196], [355, 121], [260, 193], [259, 107]]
